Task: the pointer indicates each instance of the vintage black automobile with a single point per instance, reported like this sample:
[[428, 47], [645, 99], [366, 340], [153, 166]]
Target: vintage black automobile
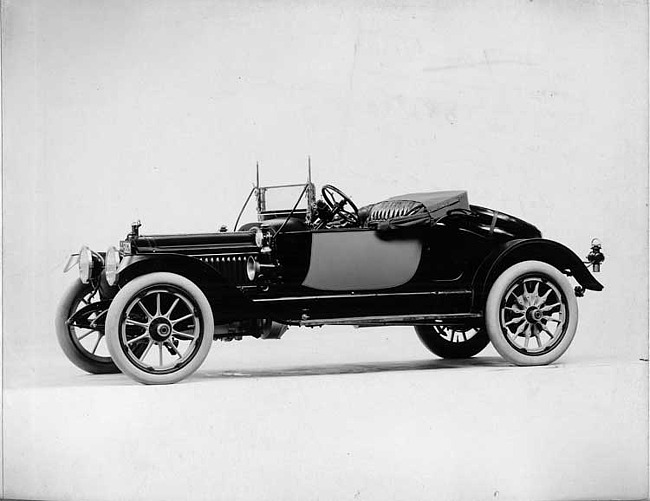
[[462, 275]]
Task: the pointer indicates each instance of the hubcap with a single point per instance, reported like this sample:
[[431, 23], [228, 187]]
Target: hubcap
[[533, 315], [160, 329]]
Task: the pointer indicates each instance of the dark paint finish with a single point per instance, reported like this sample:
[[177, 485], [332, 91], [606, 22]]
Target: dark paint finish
[[461, 257], [200, 243]]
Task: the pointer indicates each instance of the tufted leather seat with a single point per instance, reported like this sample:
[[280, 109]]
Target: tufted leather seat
[[390, 209], [375, 214], [412, 210]]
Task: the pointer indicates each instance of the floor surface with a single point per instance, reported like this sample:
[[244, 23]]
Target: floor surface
[[347, 414]]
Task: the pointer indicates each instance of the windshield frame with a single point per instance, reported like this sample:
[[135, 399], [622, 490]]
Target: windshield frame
[[261, 209]]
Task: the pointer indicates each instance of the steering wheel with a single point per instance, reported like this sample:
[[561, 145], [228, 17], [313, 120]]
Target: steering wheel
[[337, 200]]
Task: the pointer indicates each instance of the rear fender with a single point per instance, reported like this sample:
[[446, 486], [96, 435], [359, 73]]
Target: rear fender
[[536, 249], [227, 300]]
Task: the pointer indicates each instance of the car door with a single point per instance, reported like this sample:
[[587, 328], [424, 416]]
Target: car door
[[357, 259]]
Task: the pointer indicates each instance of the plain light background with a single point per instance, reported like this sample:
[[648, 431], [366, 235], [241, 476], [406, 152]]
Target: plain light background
[[116, 111], [158, 110]]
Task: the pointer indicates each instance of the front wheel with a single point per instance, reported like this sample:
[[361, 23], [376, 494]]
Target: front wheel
[[79, 327], [159, 328], [452, 342], [531, 314]]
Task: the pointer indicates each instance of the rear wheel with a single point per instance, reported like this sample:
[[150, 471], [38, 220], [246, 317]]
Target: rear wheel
[[452, 341], [531, 314], [159, 328]]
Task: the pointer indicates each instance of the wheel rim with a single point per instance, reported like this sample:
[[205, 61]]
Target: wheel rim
[[91, 342], [161, 330], [534, 315], [455, 335]]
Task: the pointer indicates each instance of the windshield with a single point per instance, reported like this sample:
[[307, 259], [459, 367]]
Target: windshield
[[281, 198]]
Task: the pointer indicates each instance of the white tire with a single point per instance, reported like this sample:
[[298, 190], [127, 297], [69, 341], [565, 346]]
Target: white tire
[[159, 328], [531, 314]]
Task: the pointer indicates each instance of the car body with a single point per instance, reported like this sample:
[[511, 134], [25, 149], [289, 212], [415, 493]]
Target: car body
[[462, 274]]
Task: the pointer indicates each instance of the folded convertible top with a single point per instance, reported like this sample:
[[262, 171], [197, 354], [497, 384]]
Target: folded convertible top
[[414, 209]]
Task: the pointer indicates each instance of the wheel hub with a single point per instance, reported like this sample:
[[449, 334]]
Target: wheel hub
[[160, 329], [533, 315]]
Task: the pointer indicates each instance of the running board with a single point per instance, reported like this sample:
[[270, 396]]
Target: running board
[[377, 321]]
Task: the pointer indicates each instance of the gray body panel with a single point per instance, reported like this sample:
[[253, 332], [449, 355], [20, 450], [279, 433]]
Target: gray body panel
[[360, 260]]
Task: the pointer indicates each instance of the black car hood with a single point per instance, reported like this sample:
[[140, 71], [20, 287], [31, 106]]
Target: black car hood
[[197, 242]]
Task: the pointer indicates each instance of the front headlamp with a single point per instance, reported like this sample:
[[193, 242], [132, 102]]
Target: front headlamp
[[112, 263], [85, 264], [259, 237]]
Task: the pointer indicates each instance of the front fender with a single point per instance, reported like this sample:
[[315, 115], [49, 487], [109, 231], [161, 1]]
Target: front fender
[[227, 301], [538, 249]]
